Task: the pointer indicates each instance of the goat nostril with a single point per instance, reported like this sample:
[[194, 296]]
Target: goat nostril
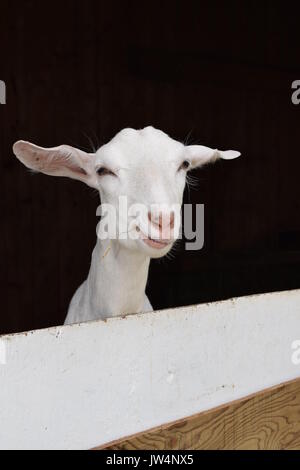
[[153, 219], [160, 220], [172, 219]]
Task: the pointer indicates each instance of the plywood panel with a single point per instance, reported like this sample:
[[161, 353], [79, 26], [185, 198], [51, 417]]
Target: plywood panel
[[265, 421]]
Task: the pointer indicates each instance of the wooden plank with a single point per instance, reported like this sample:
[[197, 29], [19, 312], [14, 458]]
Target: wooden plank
[[264, 421]]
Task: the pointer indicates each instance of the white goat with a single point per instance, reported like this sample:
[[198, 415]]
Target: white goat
[[146, 166]]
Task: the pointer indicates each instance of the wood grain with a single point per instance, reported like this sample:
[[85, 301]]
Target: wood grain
[[267, 420]]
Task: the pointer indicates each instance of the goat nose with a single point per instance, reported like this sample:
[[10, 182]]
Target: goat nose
[[162, 219]]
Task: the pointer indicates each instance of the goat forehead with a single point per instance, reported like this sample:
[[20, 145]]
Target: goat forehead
[[148, 146]]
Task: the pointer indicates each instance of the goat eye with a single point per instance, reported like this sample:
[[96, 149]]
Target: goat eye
[[184, 166], [104, 171]]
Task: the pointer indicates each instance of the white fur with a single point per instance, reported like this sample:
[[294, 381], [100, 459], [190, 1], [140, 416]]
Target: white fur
[[147, 169]]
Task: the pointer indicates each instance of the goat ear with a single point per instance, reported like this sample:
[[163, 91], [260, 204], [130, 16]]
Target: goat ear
[[200, 155], [58, 161]]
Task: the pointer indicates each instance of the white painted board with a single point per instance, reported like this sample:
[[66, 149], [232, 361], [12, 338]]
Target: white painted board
[[81, 386]]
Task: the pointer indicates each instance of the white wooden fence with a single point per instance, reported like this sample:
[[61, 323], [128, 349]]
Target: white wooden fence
[[82, 386]]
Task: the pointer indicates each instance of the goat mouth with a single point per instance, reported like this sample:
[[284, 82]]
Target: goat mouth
[[158, 244]]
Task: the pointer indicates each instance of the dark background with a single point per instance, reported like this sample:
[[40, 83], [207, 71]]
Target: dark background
[[218, 72]]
